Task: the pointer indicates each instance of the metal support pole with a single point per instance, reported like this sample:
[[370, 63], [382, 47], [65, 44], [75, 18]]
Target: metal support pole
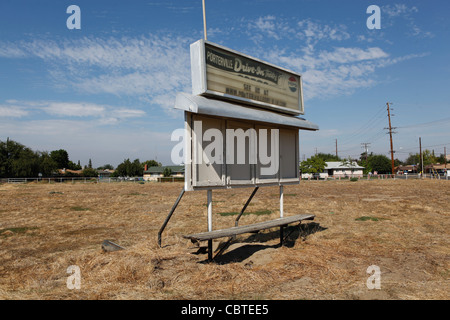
[[245, 206], [281, 214], [281, 202], [169, 216], [204, 20], [209, 198]]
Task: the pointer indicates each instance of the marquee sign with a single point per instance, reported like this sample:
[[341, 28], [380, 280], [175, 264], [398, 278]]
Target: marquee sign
[[225, 73]]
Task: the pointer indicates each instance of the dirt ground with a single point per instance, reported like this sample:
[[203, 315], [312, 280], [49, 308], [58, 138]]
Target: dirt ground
[[401, 226]]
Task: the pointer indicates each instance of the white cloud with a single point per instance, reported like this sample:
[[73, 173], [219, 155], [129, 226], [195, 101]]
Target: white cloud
[[146, 67], [11, 111], [308, 30], [100, 114], [402, 11], [340, 71], [74, 109], [351, 55], [313, 31], [397, 9]]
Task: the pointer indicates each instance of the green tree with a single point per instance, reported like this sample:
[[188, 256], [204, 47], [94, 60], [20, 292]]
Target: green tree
[[151, 163], [61, 157], [17, 161], [167, 172], [137, 168], [89, 172], [46, 164], [328, 157], [380, 163], [314, 164], [73, 166], [441, 159], [129, 169], [428, 158], [106, 166], [413, 159]]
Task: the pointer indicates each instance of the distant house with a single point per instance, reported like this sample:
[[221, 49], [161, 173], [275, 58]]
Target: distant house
[[436, 168], [337, 169], [153, 173], [342, 169], [105, 173], [406, 169], [69, 172]]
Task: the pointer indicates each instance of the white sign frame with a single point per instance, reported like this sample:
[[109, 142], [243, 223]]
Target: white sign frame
[[200, 80]]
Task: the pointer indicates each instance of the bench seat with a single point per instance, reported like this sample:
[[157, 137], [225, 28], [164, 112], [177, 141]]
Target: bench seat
[[230, 232]]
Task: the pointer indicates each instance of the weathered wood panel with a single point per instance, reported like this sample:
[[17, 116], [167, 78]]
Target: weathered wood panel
[[203, 236]]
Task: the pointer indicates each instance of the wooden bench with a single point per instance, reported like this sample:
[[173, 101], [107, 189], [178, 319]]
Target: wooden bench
[[234, 231]]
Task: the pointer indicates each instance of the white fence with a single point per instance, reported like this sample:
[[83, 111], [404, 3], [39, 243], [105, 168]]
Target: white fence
[[178, 179], [87, 180], [376, 177]]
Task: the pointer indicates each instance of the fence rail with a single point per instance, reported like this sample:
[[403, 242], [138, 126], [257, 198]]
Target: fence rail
[[87, 180], [181, 179], [382, 177]]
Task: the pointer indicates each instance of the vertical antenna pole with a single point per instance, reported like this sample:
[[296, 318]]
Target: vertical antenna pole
[[204, 20]]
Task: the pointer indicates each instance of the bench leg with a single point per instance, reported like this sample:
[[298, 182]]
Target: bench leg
[[281, 235], [210, 250]]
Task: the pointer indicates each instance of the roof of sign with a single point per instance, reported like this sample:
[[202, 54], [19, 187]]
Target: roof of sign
[[213, 107]]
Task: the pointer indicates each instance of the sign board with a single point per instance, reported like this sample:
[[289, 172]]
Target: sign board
[[225, 73], [227, 153]]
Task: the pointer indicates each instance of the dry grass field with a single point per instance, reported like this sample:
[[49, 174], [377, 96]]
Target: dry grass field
[[400, 226]]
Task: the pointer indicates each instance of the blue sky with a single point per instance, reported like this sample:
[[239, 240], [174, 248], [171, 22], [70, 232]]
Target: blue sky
[[106, 91]]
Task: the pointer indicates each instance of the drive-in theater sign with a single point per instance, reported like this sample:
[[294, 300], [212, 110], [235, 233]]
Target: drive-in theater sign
[[241, 130]]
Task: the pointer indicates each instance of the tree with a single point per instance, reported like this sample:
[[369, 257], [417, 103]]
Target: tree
[[167, 172], [314, 164], [328, 157], [413, 159], [61, 157], [73, 166], [379, 163], [428, 158], [17, 161], [151, 163], [47, 165], [137, 169], [89, 172], [106, 166], [129, 169], [441, 159]]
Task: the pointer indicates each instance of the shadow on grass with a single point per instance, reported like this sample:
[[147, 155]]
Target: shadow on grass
[[253, 243]]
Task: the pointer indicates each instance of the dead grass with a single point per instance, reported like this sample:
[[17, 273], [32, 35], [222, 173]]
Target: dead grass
[[400, 226]]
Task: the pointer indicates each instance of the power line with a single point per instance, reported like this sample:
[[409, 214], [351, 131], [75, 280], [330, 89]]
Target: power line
[[426, 124], [372, 122]]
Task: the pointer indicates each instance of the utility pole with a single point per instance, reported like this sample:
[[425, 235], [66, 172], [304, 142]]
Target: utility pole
[[390, 136], [336, 150], [366, 148], [421, 156], [445, 155]]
